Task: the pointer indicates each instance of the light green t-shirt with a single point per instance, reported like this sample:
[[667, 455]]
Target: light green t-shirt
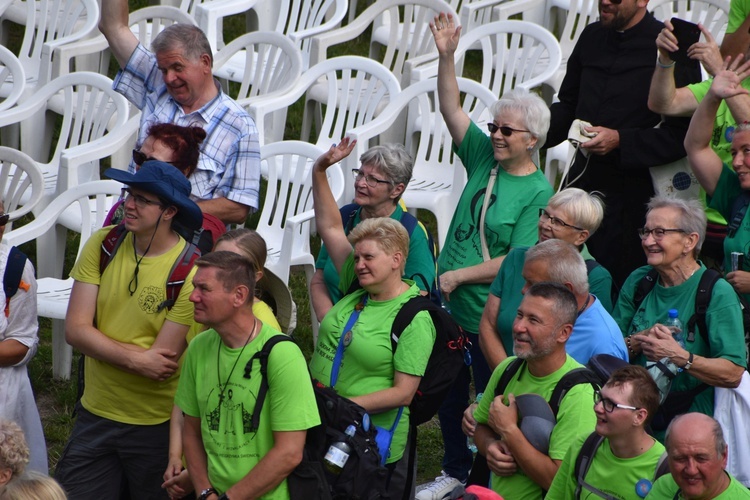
[[738, 12], [575, 417], [369, 364], [420, 264], [511, 221], [614, 476], [723, 320], [727, 190], [665, 488], [232, 448], [132, 319]]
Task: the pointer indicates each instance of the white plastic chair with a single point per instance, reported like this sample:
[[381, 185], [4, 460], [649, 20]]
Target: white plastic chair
[[287, 210], [12, 79], [21, 184], [145, 24], [356, 89], [713, 14], [53, 294], [408, 31], [438, 177], [514, 54]]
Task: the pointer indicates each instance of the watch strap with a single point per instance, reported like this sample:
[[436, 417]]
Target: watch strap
[[205, 493], [689, 363]]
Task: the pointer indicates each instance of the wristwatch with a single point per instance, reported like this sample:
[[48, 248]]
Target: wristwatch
[[205, 493], [689, 362]]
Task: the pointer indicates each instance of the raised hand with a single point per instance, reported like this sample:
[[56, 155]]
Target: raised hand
[[728, 81], [706, 52], [335, 154], [446, 33]]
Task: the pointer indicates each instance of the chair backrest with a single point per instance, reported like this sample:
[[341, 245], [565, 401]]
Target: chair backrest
[[514, 54], [301, 19], [21, 183], [51, 23], [264, 62], [148, 22], [12, 78], [89, 203], [580, 14], [713, 14]]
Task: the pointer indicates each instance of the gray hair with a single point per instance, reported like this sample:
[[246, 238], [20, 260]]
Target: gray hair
[[586, 209], [565, 306], [392, 160], [564, 263], [718, 434], [185, 37], [692, 216], [533, 109]]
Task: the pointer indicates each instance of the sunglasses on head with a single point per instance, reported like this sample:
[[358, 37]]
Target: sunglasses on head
[[506, 131]]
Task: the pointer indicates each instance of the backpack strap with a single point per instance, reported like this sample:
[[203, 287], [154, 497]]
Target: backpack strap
[[348, 213], [568, 381], [13, 272], [647, 283], [508, 374], [262, 357], [584, 459], [406, 314], [662, 466], [702, 300], [739, 209], [591, 264], [179, 273], [110, 245]]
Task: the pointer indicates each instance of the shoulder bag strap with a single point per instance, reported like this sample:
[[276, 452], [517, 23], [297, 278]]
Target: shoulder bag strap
[[483, 215], [341, 347]]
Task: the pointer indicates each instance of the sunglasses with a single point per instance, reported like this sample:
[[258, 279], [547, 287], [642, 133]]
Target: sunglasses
[[4, 218], [506, 131], [140, 158]]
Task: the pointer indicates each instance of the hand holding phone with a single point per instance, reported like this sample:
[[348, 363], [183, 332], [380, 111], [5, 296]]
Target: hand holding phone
[[687, 34]]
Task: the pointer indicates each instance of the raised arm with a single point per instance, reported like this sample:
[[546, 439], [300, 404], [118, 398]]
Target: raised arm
[[663, 96], [114, 26], [327, 216], [703, 160], [446, 35]]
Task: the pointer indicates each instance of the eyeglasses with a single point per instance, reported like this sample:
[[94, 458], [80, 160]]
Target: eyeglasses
[[4, 218], [139, 158], [609, 405], [657, 232], [556, 222], [506, 131], [140, 201], [371, 180]]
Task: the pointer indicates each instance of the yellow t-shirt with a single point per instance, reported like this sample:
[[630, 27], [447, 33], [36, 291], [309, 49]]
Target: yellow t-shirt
[[130, 318]]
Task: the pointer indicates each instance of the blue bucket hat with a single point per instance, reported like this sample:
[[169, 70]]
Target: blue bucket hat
[[166, 182]]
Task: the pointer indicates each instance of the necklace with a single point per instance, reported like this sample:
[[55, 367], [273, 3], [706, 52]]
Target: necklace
[[585, 305], [223, 387]]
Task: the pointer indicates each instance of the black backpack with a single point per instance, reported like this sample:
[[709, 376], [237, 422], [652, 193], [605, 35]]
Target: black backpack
[[449, 355], [410, 223], [678, 402], [12, 277], [596, 372], [362, 477], [583, 464]]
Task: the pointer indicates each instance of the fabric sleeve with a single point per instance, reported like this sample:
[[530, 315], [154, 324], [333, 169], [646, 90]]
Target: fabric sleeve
[[86, 268], [476, 144], [482, 411], [496, 288], [292, 401], [139, 77], [186, 397], [738, 12], [22, 318], [601, 285], [182, 311], [576, 416], [564, 484], [420, 264], [653, 146], [700, 90], [241, 178], [415, 345], [525, 232]]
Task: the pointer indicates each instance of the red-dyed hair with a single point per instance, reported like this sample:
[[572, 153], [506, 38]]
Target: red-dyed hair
[[183, 141]]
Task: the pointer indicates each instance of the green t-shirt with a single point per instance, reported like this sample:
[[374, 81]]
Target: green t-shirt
[[614, 476], [727, 190], [575, 417], [665, 488], [723, 320], [420, 264], [511, 221], [509, 282], [231, 448], [369, 364], [130, 318], [738, 12]]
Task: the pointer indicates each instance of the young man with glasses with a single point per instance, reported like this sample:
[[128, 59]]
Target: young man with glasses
[[542, 327], [607, 84], [132, 340], [622, 458]]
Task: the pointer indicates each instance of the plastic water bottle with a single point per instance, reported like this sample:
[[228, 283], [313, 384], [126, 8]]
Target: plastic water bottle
[[470, 440], [675, 326], [338, 453]]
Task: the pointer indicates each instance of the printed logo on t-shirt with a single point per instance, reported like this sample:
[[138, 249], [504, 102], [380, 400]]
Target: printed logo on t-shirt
[[150, 298], [229, 422]]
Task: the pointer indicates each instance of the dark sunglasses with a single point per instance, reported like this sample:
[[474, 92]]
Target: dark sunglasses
[[4, 218], [140, 158], [506, 131]]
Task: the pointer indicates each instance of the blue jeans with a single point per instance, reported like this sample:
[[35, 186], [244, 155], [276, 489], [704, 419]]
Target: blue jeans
[[457, 459], [104, 459]]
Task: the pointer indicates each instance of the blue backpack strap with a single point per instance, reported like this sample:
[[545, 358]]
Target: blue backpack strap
[[342, 340]]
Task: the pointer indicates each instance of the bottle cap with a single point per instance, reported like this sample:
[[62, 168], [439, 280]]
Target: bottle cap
[[672, 313]]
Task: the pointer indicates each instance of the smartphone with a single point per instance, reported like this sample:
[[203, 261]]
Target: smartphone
[[687, 34]]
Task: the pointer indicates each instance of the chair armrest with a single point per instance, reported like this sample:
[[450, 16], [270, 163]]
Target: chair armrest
[[506, 10]]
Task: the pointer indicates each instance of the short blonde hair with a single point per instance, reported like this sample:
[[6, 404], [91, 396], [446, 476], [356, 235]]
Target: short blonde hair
[[389, 234], [586, 209], [14, 452]]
